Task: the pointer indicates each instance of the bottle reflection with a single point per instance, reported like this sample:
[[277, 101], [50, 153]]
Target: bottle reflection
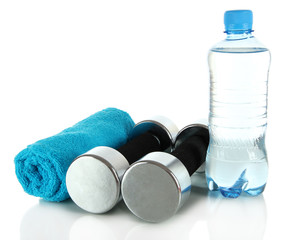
[[243, 218], [239, 219]]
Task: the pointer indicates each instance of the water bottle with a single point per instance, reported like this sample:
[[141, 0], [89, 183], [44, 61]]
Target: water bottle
[[239, 65]]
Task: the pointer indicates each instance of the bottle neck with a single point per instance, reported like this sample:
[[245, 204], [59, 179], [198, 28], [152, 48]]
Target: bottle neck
[[238, 34]]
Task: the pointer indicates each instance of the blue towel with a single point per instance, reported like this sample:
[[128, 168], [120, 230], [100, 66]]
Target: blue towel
[[41, 167]]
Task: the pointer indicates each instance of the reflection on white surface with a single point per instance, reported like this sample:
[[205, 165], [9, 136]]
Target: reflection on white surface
[[111, 226], [48, 221], [207, 215], [215, 217], [200, 229], [241, 218], [91, 228], [169, 230], [65, 220]]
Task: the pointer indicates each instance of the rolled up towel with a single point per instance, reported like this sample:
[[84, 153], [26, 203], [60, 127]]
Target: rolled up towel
[[41, 167]]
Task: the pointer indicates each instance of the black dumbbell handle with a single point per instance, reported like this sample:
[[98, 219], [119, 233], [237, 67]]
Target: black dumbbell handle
[[140, 146], [192, 152]]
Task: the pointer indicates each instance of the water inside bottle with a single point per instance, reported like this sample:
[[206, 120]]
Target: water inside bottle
[[237, 158]]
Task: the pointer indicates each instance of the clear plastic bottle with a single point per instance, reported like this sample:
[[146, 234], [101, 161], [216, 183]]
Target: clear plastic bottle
[[239, 65]]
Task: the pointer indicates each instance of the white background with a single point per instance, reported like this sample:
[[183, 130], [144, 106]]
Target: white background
[[61, 61]]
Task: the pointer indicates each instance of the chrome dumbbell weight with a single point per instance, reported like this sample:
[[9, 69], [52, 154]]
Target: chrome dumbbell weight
[[94, 179], [157, 185]]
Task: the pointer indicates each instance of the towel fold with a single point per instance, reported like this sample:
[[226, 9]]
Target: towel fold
[[41, 167]]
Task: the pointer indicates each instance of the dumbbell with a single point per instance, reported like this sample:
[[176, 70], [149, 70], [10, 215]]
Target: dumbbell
[[93, 179], [158, 184]]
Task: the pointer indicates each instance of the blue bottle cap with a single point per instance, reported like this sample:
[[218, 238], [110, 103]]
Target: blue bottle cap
[[238, 20]]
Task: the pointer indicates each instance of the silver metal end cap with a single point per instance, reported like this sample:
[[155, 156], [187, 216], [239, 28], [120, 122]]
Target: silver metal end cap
[[92, 180], [161, 126], [155, 187]]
